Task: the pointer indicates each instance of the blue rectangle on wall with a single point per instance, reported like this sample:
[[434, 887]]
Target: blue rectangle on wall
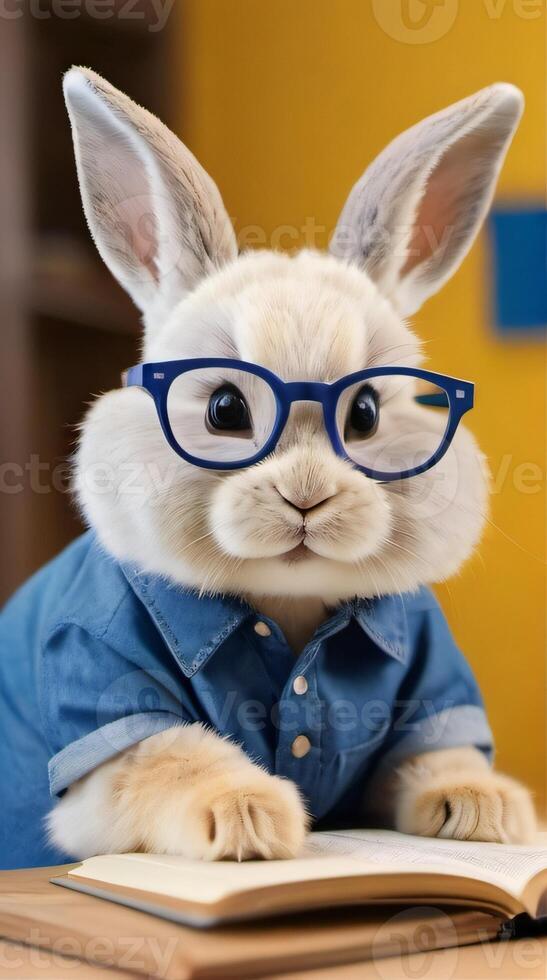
[[519, 243]]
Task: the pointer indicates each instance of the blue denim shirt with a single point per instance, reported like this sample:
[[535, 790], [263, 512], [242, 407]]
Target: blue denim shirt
[[96, 655]]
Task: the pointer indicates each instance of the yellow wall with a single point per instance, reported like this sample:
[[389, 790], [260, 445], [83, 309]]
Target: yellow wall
[[285, 103]]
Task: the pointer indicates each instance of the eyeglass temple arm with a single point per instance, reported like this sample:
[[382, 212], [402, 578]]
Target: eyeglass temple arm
[[133, 376], [434, 400]]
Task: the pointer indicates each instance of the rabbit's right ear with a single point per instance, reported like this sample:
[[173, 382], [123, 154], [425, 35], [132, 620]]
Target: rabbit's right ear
[[415, 212], [156, 217]]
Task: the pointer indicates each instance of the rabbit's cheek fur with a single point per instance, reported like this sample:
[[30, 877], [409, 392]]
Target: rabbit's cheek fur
[[146, 504], [438, 517]]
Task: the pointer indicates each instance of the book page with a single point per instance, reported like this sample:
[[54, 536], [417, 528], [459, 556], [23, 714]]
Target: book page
[[326, 855], [509, 866], [208, 882]]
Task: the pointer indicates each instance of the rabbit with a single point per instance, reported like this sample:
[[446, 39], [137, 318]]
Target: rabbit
[[301, 532]]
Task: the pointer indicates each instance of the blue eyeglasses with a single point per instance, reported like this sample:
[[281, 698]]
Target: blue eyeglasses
[[222, 414]]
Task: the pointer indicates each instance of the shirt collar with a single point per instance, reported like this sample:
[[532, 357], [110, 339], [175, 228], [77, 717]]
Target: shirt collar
[[194, 626], [384, 621]]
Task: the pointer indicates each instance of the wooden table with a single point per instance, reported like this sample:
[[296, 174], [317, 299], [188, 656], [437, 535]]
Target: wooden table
[[51, 932], [523, 960]]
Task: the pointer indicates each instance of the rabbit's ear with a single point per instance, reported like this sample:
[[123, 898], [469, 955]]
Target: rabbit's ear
[[415, 212], [157, 218]]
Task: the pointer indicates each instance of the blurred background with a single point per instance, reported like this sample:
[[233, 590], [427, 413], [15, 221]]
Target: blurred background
[[285, 104]]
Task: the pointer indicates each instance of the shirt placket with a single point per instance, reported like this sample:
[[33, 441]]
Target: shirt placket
[[301, 719], [299, 724]]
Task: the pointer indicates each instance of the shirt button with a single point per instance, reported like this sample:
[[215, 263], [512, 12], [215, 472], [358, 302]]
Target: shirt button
[[262, 629], [300, 684], [301, 746]]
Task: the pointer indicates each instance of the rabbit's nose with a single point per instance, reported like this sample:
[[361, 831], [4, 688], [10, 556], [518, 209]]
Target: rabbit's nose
[[305, 502]]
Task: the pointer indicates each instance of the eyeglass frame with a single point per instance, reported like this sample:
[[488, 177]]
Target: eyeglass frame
[[156, 377]]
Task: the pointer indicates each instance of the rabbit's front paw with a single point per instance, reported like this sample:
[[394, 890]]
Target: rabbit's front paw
[[245, 813], [481, 806]]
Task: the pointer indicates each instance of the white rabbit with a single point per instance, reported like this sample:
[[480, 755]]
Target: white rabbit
[[160, 225]]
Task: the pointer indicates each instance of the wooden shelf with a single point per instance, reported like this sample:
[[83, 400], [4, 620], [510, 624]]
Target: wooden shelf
[[69, 284], [68, 329]]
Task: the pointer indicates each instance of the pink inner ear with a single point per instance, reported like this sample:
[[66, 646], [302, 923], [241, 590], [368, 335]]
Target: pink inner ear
[[121, 205], [122, 201], [137, 237], [452, 200]]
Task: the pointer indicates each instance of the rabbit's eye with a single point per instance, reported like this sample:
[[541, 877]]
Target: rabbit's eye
[[365, 411], [227, 409]]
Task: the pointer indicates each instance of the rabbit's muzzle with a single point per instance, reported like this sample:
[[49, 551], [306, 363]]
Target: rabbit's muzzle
[[304, 495]]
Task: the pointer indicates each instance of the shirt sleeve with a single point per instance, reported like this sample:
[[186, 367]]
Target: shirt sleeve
[[439, 705], [95, 703]]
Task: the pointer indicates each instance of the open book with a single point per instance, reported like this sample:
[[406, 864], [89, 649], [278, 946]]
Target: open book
[[347, 867]]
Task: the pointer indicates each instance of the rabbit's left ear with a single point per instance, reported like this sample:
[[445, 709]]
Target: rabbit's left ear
[[411, 218], [156, 216]]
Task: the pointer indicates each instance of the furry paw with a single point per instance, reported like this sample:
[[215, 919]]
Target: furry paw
[[467, 805], [242, 814]]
